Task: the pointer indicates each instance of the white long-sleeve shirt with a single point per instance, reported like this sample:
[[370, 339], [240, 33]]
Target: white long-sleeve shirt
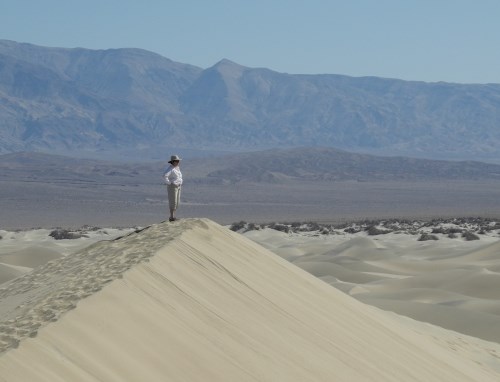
[[173, 175]]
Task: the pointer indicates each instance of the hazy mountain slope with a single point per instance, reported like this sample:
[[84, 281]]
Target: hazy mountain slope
[[57, 99], [369, 113], [78, 98]]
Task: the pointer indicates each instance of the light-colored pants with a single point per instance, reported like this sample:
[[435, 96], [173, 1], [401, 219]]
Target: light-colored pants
[[174, 196]]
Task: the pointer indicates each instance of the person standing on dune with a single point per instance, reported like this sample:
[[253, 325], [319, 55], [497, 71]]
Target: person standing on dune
[[173, 179]]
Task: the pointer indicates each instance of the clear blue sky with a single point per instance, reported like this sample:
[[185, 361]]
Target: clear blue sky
[[426, 40]]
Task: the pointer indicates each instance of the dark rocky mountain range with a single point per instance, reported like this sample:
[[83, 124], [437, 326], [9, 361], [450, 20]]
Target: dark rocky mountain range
[[328, 164], [270, 166], [102, 101]]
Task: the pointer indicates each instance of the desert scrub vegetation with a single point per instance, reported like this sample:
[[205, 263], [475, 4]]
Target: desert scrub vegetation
[[280, 227], [447, 231], [61, 234], [427, 236], [352, 229], [466, 228], [374, 230], [238, 226], [469, 236], [243, 226]]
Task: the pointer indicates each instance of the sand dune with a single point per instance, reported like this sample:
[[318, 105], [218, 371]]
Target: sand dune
[[471, 322], [487, 254], [22, 251], [30, 257], [193, 301], [452, 283], [9, 272]]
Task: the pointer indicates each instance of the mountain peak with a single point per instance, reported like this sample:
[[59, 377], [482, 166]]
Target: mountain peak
[[229, 67], [226, 62]]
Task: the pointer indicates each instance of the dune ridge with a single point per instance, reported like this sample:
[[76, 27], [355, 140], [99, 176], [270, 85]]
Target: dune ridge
[[21, 251], [43, 295], [194, 301], [451, 282]]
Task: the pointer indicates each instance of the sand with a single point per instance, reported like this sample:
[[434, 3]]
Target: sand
[[451, 283], [24, 250], [194, 301]]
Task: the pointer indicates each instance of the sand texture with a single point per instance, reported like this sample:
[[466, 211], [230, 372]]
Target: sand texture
[[23, 250], [449, 282], [194, 301]]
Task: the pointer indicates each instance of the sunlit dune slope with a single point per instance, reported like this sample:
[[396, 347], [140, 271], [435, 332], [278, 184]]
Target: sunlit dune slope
[[194, 301]]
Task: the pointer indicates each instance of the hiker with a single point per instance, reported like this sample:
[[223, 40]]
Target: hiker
[[173, 179]]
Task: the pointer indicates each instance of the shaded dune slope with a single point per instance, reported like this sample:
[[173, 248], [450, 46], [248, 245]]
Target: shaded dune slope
[[193, 301]]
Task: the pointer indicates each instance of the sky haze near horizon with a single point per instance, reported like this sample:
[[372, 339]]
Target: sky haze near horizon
[[421, 40]]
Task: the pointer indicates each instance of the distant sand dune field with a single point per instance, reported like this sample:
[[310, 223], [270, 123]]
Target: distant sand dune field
[[194, 301], [452, 283]]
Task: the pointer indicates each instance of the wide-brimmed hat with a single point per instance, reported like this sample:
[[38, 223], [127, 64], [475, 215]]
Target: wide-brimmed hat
[[173, 158]]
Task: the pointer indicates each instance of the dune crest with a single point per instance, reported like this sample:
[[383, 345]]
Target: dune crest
[[193, 301]]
